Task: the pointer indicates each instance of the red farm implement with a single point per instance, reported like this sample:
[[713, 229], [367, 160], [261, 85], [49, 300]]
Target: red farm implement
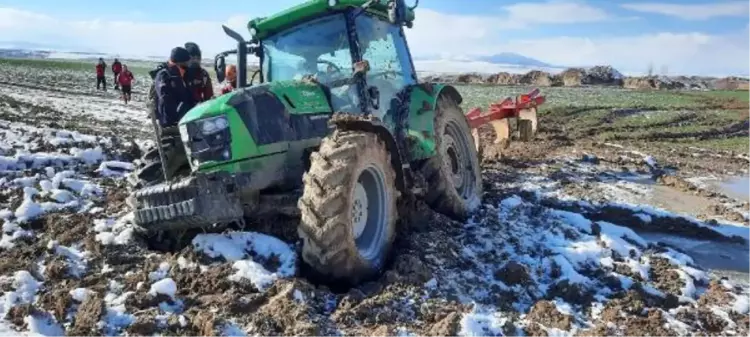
[[523, 109]]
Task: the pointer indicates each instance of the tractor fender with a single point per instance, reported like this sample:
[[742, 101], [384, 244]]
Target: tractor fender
[[422, 104], [448, 90], [349, 122]]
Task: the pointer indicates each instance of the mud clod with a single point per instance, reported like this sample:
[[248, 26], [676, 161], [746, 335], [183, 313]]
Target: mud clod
[[716, 294], [513, 273], [546, 314], [664, 277], [448, 326]]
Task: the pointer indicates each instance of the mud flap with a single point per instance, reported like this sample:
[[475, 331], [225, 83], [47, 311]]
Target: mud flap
[[193, 202]]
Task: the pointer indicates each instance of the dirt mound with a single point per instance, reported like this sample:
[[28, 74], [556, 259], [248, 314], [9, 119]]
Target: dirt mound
[[473, 78], [603, 75], [572, 77], [658, 83], [731, 83], [536, 78], [503, 79]]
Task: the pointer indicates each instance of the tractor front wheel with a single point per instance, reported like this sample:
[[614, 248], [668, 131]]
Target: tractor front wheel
[[453, 174], [348, 207]]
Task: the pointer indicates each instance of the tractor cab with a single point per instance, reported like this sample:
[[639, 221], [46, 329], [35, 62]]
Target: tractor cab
[[355, 49]]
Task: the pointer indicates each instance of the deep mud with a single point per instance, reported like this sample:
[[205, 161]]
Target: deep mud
[[551, 251]]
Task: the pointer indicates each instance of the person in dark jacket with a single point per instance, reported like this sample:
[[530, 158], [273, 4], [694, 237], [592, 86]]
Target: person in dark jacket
[[173, 96], [172, 100], [197, 79], [100, 68], [116, 69]]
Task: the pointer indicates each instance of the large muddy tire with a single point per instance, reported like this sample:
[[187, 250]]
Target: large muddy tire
[[453, 175], [348, 207]]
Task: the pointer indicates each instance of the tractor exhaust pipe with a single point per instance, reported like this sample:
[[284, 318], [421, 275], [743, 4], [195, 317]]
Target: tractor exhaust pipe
[[241, 56]]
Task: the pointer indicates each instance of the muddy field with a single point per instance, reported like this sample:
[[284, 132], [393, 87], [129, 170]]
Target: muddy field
[[622, 218]]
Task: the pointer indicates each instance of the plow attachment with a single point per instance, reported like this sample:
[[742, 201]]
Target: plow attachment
[[522, 109]]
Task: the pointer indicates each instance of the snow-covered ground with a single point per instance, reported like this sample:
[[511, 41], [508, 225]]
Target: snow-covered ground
[[557, 249]]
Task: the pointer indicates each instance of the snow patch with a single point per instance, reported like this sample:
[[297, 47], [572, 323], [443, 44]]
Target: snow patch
[[244, 248]]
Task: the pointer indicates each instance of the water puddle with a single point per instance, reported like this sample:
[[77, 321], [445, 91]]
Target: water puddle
[[735, 187], [720, 258]]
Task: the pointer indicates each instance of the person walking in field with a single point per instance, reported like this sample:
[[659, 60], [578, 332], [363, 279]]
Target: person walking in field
[[100, 80], [125, 79], [116, 69], [231, 78]]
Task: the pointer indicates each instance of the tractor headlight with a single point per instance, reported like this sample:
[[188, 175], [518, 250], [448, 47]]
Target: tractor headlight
[[332, 3], [208, 140], [213, 125]]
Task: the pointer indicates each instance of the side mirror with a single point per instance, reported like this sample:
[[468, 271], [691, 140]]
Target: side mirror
[[374, 94], [397, 11], [220, 67]]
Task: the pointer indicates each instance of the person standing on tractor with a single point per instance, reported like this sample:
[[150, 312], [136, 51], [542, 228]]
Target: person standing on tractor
[[116, 69], [173, 96], [231, 78], [100, 68], [172, 99], [125, 79], [197, 78]]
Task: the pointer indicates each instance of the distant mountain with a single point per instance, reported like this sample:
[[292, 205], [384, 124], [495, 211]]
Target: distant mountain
[[506, 59], [515, 59]]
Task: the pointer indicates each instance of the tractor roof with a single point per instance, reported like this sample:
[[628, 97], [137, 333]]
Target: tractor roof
[[311, 9]]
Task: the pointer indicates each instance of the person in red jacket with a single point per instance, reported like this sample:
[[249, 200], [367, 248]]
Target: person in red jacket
[[100, 68], [116, 69], [126, 79]]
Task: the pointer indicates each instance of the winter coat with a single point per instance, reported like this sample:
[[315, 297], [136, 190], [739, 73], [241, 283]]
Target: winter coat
[[100, 69], [126, 78], [173, 97], [199, 83]]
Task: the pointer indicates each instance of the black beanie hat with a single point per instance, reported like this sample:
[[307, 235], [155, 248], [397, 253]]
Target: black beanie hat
[[179, 55], [193, 49]]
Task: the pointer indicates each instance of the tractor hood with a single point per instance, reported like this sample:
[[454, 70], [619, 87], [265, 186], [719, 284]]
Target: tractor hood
[[227, 131], [296, 96], [214, 107]]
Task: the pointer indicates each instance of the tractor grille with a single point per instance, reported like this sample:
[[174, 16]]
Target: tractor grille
[[190, 203]]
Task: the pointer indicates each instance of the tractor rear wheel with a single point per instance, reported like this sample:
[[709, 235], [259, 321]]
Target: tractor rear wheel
[[453, 174], [348, 207]]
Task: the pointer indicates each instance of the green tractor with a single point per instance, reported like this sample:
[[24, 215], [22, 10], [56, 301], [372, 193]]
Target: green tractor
[[337, 117]]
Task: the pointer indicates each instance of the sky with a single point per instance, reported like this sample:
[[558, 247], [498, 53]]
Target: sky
[[674, 37]]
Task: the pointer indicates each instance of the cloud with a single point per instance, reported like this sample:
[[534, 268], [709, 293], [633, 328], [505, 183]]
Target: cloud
[[554, 12], [683, 53], [439, 35], [435, 35], [124, 37], [693, 11]]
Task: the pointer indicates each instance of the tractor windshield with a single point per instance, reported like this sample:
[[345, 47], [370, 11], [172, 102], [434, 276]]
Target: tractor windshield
[[319, 47]]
